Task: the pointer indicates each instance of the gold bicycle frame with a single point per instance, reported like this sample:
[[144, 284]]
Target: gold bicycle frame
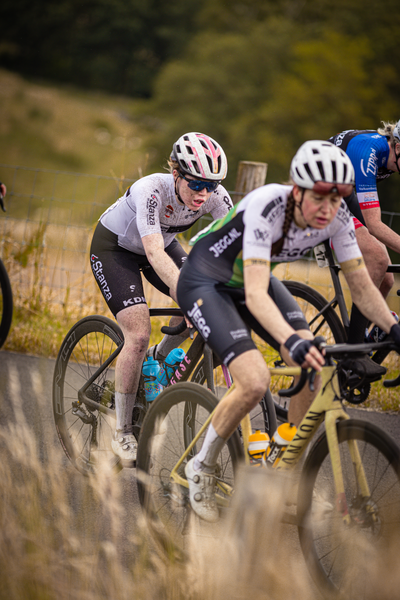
[[326, 406]]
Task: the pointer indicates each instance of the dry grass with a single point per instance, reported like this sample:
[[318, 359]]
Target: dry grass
[[65, 536]]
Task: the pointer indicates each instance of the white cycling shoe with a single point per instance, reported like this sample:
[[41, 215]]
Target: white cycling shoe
[[124, 445], [202, 493]]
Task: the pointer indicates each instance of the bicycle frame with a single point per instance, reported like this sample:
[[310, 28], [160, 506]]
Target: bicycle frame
[[182, 373], [326, 406]]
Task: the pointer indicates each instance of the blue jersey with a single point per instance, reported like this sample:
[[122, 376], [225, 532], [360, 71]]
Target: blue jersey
[[369, 153]]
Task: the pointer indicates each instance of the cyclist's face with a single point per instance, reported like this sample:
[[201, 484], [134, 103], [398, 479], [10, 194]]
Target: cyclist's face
[[192, 199], [317, 210]]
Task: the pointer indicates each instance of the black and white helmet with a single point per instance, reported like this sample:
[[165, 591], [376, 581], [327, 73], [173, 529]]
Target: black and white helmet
[[319, 165], [199, 155]]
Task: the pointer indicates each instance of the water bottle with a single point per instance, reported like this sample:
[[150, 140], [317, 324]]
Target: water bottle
[[278, 444], [258, 443], [171, 363], [152, 387], [377, 334]]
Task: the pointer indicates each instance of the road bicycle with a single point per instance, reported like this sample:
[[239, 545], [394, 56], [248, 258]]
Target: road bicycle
[[330, 319], [349, 486], [83, 387], [6, 297]]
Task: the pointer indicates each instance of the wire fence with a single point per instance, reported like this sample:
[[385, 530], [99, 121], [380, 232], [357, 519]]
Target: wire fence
[[47, 229]]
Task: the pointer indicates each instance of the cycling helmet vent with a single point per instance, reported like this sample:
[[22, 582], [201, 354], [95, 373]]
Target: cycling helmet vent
[[321, 170], [319, 160], [333, 164], [199, 155]]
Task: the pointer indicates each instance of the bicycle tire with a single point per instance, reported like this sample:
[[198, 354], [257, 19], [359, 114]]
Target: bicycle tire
[[6, 304], [85, 348], [163, 439], [329, 326], [263, 417], [341, 559]]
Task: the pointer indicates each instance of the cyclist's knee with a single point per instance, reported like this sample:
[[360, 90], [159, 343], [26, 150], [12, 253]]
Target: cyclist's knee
[[387, 284], [135, 324]]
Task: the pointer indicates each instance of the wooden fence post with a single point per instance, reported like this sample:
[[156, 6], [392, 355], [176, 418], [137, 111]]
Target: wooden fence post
[[250, 176]]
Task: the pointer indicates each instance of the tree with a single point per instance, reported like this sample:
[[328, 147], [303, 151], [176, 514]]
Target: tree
[[112, 45]]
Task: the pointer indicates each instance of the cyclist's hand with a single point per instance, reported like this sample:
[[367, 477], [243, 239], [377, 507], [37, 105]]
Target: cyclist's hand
[[304, 353], [188, 323]]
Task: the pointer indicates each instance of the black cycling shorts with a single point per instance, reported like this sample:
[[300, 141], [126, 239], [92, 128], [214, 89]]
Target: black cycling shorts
[[117, 270], [354, 207], [220, 314]]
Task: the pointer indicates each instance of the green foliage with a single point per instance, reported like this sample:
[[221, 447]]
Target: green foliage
[[262, 95]]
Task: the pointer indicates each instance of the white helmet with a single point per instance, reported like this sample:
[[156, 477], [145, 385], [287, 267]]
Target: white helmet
[[317, 164], [396, 132], [200, 156]]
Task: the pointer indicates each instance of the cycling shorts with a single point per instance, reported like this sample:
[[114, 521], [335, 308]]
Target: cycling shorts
[[220, 314], [354, 207], [118, 271]]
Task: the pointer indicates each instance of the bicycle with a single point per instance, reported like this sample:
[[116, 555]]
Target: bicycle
[[330, 319], [353, 468], [6, 297], [83, 387]]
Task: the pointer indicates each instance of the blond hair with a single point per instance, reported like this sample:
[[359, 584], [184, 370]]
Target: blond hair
[[172, 165], [387, 131]]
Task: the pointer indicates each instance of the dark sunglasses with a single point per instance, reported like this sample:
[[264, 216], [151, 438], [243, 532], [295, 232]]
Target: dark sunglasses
[[197, 185], [324, 188]]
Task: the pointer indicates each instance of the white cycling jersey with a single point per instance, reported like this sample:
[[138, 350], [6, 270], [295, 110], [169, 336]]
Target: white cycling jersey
[[250, 229], [151, 206]]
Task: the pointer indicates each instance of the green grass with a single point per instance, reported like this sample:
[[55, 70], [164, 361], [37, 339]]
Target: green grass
[[64, 129]]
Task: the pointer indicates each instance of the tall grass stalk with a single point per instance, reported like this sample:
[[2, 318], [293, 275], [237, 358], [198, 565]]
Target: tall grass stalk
[[64, 536]]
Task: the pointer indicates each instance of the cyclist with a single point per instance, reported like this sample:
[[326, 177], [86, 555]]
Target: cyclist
[[137, 234], [375, 156], [231, 261]]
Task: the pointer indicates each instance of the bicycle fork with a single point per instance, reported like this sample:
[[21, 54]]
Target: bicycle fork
[[333, 444]]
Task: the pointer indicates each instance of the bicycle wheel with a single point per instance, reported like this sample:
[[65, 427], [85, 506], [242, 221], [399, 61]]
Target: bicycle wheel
[[344, 559], [6, 304], [322, 319], [85, 434], [173, 419], [262, 417]]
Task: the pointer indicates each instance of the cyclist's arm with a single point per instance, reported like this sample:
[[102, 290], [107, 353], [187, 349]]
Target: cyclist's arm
[[163, 265], [256, 274], [366, 295], [378, 229]]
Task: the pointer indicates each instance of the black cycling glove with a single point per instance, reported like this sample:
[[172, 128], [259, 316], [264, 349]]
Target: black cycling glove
[[395, 333], [298, 347]]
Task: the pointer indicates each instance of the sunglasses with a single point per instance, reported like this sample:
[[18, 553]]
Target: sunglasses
[[197, 185], [324, 188]]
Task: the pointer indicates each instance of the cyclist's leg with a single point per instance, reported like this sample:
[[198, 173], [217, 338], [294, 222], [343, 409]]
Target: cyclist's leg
[[292, 314], [376, 260], [117, 273], [210, 308]]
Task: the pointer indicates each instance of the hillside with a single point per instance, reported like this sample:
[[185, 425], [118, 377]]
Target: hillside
[[61, 128]]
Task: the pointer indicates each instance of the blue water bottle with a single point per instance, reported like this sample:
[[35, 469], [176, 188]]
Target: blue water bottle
[[152, 387], [171, 363]]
